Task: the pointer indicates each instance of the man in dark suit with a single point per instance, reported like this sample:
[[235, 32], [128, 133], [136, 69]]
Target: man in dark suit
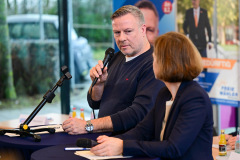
[[196, 20]]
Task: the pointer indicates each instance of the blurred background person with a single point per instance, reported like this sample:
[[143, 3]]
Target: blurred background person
[[151, 17], [180, 126], [231, 139], [195, 23]]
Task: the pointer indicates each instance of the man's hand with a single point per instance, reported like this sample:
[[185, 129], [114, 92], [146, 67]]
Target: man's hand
[[74, 126], [109, 146], [231, 141], [96, 72], [209, 45]]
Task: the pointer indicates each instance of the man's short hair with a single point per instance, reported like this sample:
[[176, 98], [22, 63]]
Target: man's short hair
[[177, 58], [129, 9], [148, 5]]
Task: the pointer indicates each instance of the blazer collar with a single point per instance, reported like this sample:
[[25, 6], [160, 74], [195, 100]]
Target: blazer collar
[[179, 92], [182, 87]]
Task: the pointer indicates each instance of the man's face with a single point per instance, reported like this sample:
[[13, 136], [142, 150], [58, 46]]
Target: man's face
[[129, 35], [151, 22], [195, 3]]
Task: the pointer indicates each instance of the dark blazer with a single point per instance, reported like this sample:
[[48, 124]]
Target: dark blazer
[[197, 34], [189, 128]]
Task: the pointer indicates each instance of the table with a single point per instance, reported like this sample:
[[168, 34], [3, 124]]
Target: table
[[58, 153], [55, 152], [27, 145]]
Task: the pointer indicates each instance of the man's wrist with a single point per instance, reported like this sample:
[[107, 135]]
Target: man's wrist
[[97, 91]]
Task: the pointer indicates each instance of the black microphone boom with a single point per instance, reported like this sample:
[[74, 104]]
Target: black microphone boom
[[86, 143], [109, 53]]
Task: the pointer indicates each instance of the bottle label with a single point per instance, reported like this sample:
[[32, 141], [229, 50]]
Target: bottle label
[[222, 149]]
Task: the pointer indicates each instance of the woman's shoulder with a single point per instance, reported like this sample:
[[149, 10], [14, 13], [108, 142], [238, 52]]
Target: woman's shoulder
[[191, 86], [192, 90]]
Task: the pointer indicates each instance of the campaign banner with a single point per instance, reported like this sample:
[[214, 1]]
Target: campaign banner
[[221, 81], [166, 10]]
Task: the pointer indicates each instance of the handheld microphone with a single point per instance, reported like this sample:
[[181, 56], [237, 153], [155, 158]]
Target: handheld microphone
[[86, 143], [109, 53]]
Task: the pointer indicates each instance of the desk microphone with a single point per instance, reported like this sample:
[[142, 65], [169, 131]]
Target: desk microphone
[[109, 53], [86, 143]]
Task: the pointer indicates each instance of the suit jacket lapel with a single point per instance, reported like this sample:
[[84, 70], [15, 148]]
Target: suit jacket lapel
[[174, 111], [200, 19], [192, 17]]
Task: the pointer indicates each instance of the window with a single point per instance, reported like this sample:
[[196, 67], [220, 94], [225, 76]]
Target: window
[[15, 30], [50, 31], [31, 31]]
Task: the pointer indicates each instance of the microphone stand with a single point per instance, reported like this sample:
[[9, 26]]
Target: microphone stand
[[24, 130]]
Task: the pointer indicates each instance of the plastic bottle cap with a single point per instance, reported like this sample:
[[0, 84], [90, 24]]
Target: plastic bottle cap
[[82, 109], [74, 108]]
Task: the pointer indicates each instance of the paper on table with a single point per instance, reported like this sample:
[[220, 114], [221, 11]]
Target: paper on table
[[234, 156], [90, 155], [57, 127], [227, 157], [36, 121]]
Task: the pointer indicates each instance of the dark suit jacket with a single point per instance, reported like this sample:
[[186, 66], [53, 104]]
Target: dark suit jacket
[[189, 128], [197, 34]]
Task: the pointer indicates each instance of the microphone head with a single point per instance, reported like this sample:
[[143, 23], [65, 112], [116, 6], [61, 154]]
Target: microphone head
[[85, 143], [110, 51]]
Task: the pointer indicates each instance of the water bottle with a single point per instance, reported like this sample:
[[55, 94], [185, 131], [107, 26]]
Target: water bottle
[[237, 143]]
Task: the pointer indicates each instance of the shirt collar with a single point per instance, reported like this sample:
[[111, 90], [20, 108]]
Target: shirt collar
[[198, 9], [130, 58]]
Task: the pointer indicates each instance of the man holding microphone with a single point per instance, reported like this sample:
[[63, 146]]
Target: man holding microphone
[[126, 90]]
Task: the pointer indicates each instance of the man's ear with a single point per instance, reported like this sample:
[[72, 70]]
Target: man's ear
[[144, 28]]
